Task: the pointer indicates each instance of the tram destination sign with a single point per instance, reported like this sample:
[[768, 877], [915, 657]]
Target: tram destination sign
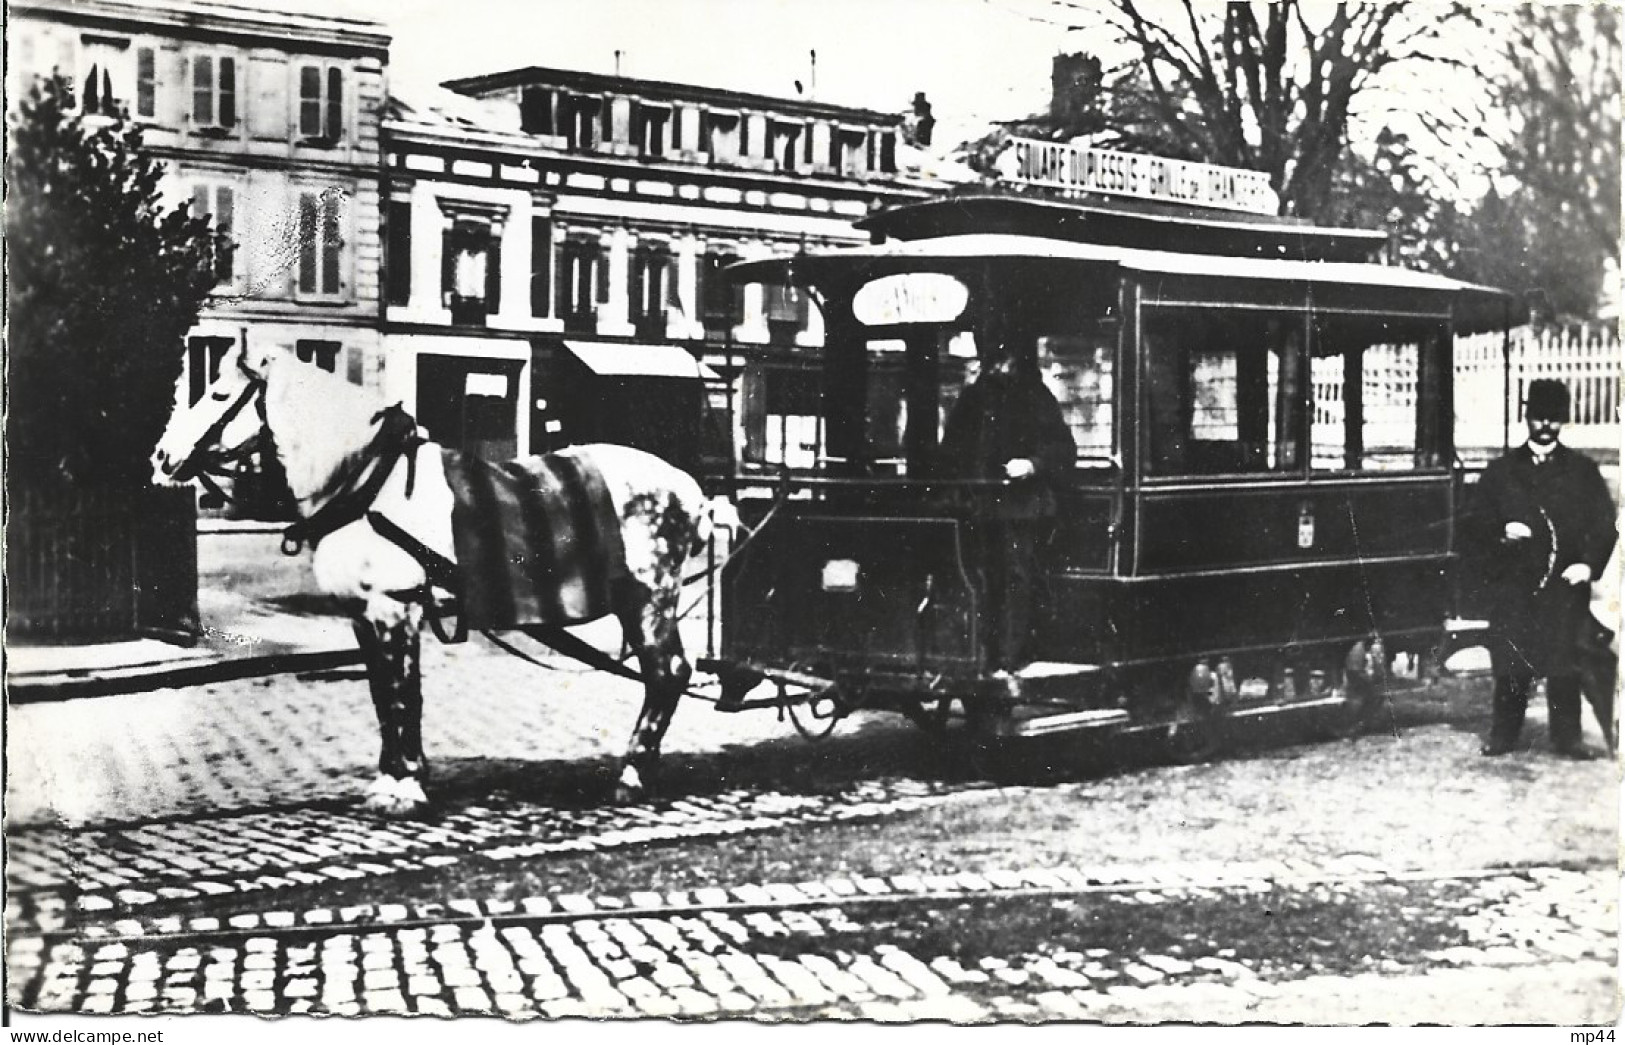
[[1074, 169]]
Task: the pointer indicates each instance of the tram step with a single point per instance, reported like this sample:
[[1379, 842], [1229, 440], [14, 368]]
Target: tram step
[[1053, 669], [1068, 722]]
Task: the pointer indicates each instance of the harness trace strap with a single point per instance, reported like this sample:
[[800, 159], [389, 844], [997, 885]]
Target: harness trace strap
[[397, 437], [441, 571]]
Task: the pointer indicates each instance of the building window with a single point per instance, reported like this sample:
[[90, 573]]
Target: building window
[[651, 129], [324, 355], [321, 243], [203, 358], [321, 103], [650, 290], [720, 136], [146, 83], [471, 281], [786, 309], [581, 131], [582, 282], [536, 111], [888, 152], [214, 91], [785, 137], [398, 251], [217, 203], [104, 61], [722, 302], [848, 151]]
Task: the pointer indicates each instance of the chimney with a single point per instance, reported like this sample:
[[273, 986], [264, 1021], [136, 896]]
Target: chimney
[[918, 124], [1075, 81]]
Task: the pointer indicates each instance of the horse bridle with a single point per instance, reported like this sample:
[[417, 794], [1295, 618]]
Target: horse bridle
[[206, 467]]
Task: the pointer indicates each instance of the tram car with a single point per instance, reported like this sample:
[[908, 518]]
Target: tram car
[[1257, 513]]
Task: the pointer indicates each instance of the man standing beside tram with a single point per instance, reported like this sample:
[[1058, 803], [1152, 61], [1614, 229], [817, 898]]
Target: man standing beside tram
[[1543, 528]]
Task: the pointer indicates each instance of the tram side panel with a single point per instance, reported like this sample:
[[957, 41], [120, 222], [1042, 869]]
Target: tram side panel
[[827, 593], [1225, 569]]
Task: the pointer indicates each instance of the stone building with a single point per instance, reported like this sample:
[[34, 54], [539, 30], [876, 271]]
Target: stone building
[[554, 242], [269, 122]]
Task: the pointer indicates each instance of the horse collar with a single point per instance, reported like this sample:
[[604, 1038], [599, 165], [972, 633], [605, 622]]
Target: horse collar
[[397, 437]]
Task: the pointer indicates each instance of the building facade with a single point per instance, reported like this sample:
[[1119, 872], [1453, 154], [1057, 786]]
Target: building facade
[[525, 259], [269, 123], [554, 243]]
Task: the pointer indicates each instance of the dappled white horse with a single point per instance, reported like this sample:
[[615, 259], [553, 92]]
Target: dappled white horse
[[350, 464]]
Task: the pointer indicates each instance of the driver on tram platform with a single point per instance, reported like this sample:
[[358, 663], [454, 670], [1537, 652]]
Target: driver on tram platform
[[1006, 426]]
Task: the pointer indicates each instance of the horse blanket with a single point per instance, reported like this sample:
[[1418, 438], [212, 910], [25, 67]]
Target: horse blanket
[[538, 540]]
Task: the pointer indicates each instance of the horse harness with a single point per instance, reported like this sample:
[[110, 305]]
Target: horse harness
[[350, 499]]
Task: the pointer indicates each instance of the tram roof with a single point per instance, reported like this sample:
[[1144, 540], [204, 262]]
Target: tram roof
[[1480, 307], [1126, 223]]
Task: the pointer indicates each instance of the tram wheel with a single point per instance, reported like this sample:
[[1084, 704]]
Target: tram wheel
[[1196, 736], [980, 750], [1363, 693], [1199, 731], [931, 719]]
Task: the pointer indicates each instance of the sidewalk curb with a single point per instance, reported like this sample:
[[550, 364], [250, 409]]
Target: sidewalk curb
[[61, 686]]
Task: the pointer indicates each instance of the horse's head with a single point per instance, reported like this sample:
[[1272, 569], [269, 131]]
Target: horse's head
[[220, 426]]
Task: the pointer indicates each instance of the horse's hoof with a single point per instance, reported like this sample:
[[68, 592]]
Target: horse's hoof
[[388, 796], [629, 788]]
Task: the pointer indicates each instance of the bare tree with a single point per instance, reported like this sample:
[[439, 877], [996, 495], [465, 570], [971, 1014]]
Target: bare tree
[[1266, 86], [1563, 99]]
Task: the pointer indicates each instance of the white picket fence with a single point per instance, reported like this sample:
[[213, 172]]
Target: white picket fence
[[1488, 403]]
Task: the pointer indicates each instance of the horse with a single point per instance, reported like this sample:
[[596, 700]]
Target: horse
[[355, 470]]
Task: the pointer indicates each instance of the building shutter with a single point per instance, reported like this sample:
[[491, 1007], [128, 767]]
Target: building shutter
[[448, 265], [567, 302], [637, 303], [146, 82], [601, 260], [493, 273], [225, 218], [541, 253], [335, 104], [398, 251], [227, 100], [702, 272], [332, 245], [308, 206]]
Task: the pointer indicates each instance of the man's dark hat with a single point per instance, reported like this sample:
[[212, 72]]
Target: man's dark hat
[[1547, 400]]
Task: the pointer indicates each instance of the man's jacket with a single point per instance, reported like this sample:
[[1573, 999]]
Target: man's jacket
[[998, 418], [1566, 505]]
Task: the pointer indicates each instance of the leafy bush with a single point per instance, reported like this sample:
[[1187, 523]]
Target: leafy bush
[[105, 281]]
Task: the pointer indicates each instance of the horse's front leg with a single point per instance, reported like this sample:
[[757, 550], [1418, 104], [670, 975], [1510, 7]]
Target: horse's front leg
[[651, 630], [391, 642]]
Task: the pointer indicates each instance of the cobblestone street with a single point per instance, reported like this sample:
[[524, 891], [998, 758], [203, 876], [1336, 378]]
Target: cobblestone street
[[201, 850]]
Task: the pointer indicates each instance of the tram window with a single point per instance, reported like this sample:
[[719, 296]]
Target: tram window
[[887, 411], [1224, 392], [780, 412], [1378, 403], [1078, 372]]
